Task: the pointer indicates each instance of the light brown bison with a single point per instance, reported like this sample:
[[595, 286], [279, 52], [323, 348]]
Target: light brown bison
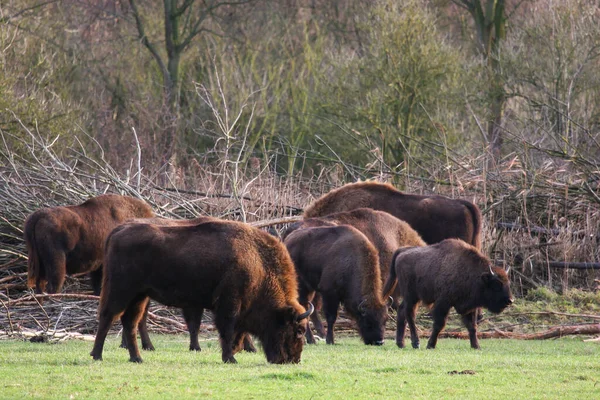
[[192, 316], [343, 266], [244, 275], [70, 240], [435, 218], [386, 232], [448, 274]]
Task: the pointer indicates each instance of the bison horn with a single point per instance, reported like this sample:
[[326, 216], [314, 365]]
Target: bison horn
[[492, 272], [306, 314], [508, 270]]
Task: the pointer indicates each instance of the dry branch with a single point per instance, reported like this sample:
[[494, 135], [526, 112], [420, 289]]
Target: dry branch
[[554, 332]]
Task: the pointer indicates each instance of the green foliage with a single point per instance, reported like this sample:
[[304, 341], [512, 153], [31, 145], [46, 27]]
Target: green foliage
[[403, 92], [565, 368]]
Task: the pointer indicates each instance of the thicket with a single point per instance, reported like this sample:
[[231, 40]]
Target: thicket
[[250, 109]]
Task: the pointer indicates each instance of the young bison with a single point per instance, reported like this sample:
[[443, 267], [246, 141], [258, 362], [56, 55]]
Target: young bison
[[448, 274], [386, 232], [70, 240], [435, 218], [342, 265], [244, 275]]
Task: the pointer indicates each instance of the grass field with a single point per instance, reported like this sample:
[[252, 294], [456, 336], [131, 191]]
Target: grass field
[[564, 368]]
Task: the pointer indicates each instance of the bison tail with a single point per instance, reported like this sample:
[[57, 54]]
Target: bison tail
[[476, 220], [392, 280], [35, 269]]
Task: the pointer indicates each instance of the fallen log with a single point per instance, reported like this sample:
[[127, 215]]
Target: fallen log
[[555, 332], [573, 265]]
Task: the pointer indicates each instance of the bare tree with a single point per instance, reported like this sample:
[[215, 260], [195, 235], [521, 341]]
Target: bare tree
[[490, 21], [184, 21]]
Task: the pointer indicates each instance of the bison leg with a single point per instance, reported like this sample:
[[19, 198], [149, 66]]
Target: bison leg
[[314, 317], [130, 320], [410, 308], [226, 315], [401, 325], [330, 307], [193, 319], [248, 344], [96, 281], [304, 294], [106, 319], [143, 330], [440, 313], [470, 321], [55, 264]]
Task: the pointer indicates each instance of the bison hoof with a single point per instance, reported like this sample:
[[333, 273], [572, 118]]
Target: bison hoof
[[430, 347], [148, 348], [417, 345], [136, 360], [95, 357], [230, 360], [195, 348], [250, 349], [400, 345]]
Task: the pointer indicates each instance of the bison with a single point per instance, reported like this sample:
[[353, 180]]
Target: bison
[[244, 275], [448, 274], [69, 240], [435, 218], [386, 232], [343, 266], [193, 316]]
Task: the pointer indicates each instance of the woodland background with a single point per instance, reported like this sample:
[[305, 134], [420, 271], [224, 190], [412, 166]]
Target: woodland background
[[251, 109]]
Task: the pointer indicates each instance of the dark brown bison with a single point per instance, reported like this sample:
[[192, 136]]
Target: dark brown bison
[[70, 240], [343, 266], [386, 232], [435, 218], [448, 274], [192, 316], [244, 275]]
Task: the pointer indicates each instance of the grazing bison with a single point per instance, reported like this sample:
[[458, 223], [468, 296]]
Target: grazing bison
[[192, 316], [435, 218], [448, 274], [244, 275], [386, 232], [343, 266], [70, 240]]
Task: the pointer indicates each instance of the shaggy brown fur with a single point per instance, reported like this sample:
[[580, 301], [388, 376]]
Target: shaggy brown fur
[[435, 218], [386, 232], [448, 274], [343, 266], [244, 275], [192, 317], [70, 240]]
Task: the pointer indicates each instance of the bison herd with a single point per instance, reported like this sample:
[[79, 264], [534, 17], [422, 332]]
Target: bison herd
[[365, 245]]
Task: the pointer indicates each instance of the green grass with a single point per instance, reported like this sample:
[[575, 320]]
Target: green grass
[[564, 368]]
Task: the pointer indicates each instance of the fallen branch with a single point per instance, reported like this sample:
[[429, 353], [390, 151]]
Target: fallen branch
[[52, 296], [558, 331], [276, 221], [546, 313]]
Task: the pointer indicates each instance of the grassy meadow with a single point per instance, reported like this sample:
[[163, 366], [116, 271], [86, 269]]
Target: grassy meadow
[[562, 368]]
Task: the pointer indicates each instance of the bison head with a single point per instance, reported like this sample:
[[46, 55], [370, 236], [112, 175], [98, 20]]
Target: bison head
[[371, 322], [285, 337], [496, 290]]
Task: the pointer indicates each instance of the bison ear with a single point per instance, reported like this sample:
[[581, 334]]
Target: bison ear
[[285, 315], [491, 281], [487, 278]]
